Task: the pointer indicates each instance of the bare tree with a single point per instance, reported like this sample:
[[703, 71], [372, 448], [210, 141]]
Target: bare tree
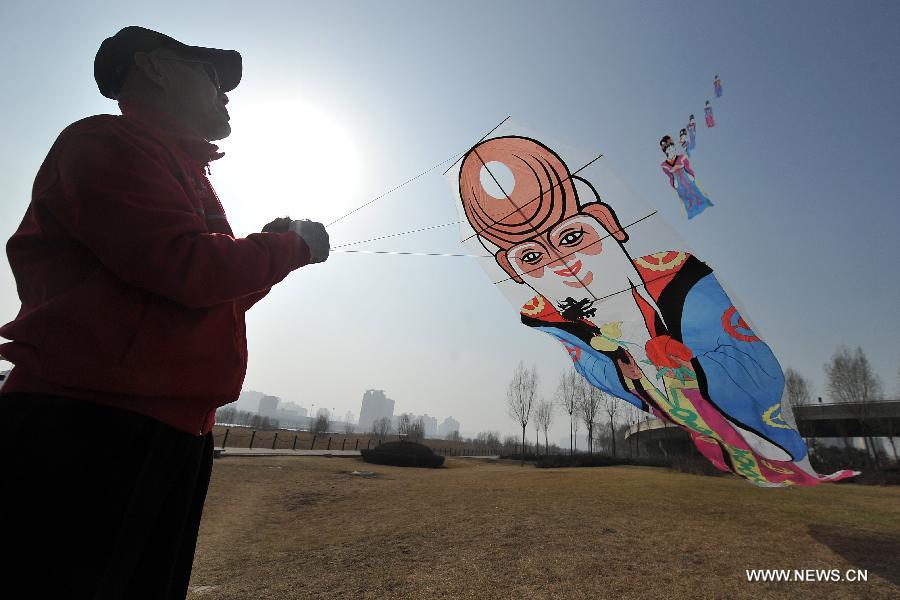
[[382, 427], [403, 423], [489, 440], [575, 425], [454, 436], [320, 424], [566, 390], [520, 397], [415, 431], [611, 408], [589, 409], [852, 380], [349, 427], [544, 418], [797, 388]]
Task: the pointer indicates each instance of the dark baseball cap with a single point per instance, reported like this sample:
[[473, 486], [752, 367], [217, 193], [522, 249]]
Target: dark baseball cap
[[116, 57]]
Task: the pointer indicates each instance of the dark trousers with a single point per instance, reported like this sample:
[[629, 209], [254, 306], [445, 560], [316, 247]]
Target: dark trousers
[[99, 503]]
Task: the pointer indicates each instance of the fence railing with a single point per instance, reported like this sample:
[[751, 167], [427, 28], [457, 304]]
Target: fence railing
[[243, 437]]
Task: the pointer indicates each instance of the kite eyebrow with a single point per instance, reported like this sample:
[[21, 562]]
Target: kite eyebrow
[[597, 241]]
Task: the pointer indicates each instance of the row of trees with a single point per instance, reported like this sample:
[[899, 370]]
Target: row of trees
[[849, 379], [233, 416], [409, 427], [584, 404]]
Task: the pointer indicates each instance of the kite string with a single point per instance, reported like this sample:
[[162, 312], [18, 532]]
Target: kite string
[[622, 291], [390, 235], [411, 253], [476, 232], [518, 209], [454, 158]]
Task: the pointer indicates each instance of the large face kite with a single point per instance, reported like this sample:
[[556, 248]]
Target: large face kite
[[587, 262]]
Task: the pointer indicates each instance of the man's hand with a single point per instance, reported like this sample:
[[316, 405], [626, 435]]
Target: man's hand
[[316, 238], [281, 225]]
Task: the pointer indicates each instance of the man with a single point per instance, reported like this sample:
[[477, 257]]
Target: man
[[131, 331], [657, 331]]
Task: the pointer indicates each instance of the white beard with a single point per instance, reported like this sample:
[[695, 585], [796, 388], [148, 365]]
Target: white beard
[[609, 293], [613, 275]]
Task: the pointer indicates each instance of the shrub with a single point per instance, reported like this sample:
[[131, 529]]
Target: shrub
[[596, 460], [695, 465], [403, 454]]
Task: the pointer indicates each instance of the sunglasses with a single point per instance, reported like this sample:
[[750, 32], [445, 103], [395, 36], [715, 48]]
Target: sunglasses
[[208, 68]]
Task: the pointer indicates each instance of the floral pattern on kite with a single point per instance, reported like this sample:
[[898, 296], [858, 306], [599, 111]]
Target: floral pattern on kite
[[657, 331]]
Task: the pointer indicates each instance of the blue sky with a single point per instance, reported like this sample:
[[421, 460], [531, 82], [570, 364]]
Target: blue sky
[[799, 165]]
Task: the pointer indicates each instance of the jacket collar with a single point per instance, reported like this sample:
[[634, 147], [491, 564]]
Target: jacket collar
[[163, 123]]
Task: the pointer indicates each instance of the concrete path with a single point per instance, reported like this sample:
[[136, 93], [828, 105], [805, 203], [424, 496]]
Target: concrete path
[[285, 452], [288, 452]]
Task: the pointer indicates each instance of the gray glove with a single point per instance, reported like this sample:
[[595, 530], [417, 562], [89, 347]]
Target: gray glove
[[316, 238]]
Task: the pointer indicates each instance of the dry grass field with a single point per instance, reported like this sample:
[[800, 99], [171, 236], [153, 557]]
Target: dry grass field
[[285, 528]]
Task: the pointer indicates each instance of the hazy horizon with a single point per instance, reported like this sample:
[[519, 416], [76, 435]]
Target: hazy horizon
[[341, 102]]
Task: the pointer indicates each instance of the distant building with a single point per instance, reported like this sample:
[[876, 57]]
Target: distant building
[[375, 405], [268, 406], [289, 408], [448, 426], [287, 414], [430, 425]]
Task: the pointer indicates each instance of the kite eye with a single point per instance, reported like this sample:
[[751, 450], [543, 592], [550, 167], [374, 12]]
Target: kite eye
[[572, 238], [531, 257]]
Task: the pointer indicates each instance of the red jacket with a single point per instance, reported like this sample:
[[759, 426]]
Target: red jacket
[[133, 286]]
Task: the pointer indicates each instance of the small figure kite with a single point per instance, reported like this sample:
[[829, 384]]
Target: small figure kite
[[656, 330], [684, 143], [707, 110], [692, 132], [682, 179], [717, 86]]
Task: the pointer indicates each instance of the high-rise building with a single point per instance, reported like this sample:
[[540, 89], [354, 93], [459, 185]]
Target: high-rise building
[[268, 406], [375, 405], [430, 425], [448, 426]]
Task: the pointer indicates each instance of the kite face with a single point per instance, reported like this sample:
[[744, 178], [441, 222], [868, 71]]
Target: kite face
[[585, 261]]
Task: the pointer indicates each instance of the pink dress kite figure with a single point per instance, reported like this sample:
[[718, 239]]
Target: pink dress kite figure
[[681, 177], [707, 110], [717, 86]]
